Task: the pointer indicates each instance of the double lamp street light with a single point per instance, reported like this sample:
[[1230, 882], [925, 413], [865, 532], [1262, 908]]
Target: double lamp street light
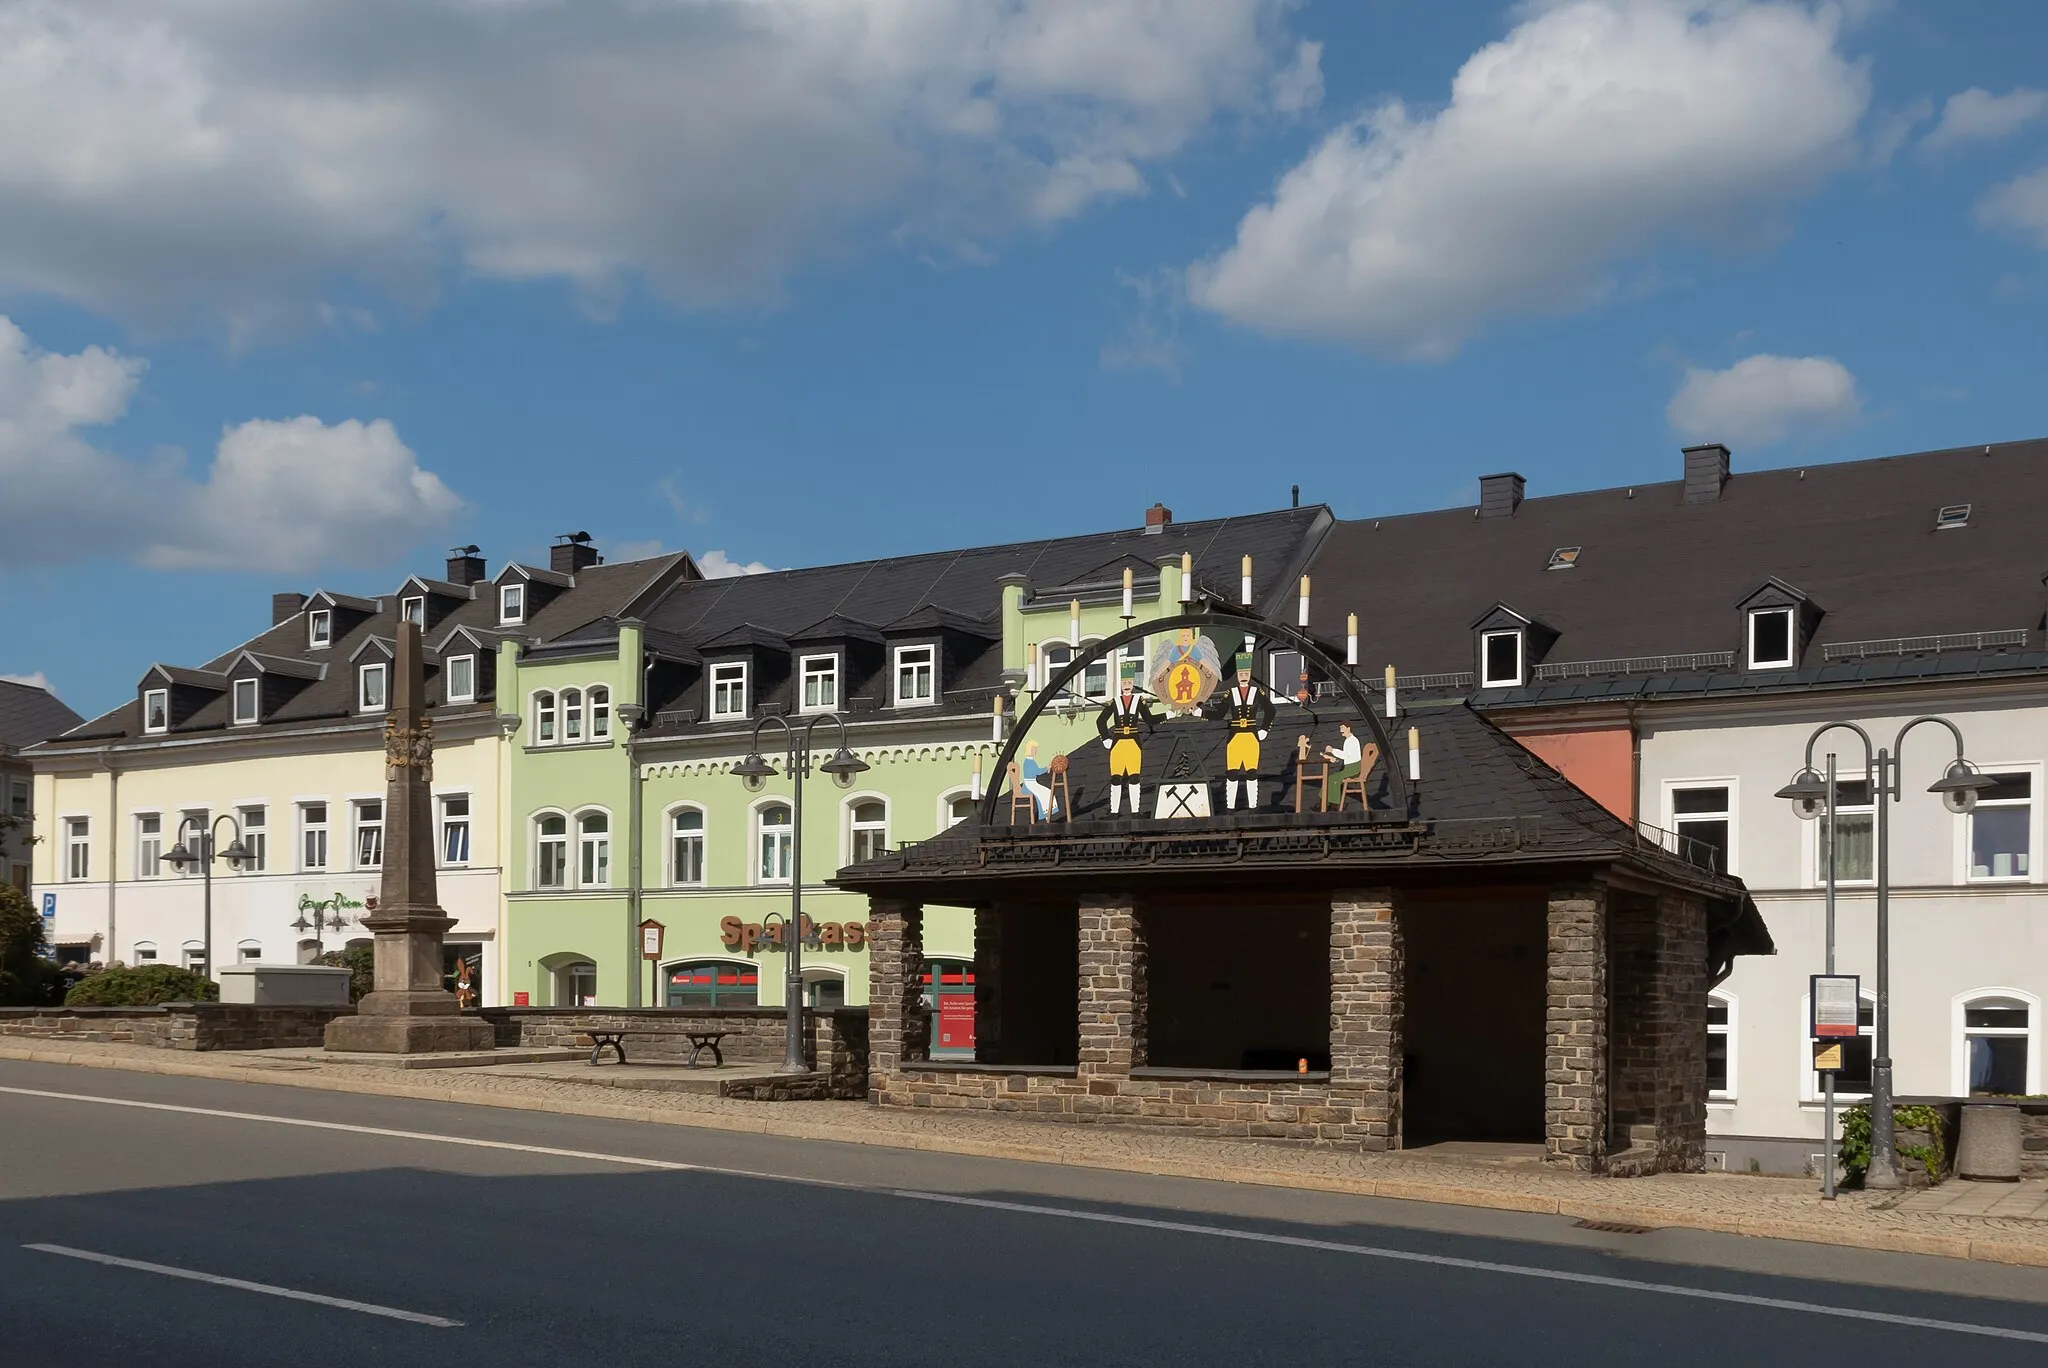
[[203, 854], [755, 772], [1814, 795]]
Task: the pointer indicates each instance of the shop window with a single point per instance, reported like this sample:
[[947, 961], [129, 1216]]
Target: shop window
[[713, 983], [2001, 829], [820, 683], [551, 851], [1720, 1046], [1703, 819], [686, 847], [869, 822], [776, 841], [594, 850], [1997, 1040], [1855, 836]]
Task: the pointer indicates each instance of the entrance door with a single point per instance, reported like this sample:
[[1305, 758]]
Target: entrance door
[[1474, 1022]]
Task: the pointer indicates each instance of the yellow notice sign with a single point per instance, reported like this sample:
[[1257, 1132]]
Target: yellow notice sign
[[1827, 1056]]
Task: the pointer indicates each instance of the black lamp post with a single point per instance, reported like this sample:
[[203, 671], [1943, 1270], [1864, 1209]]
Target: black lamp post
[[1813, 796], [755, 772], [182, 859]]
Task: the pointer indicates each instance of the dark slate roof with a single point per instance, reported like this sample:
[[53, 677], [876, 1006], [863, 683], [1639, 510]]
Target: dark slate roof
[[956, 591], [29, 714], [1657, 577], [601, 592]]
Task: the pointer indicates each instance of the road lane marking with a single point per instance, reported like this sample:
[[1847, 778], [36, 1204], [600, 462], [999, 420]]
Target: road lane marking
[[244, 1285], [1100, 1217]]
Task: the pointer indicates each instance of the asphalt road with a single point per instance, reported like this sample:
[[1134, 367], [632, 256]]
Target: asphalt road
[[429, 1233]]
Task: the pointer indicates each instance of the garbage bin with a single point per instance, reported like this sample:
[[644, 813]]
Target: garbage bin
[[1988, 1151]]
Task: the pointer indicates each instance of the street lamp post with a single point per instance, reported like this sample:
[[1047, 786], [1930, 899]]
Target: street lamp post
[[181, 859], [1811, 796], [755, 772]]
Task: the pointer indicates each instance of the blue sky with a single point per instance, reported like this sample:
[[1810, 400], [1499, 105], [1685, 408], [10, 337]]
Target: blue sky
[[301, 304]]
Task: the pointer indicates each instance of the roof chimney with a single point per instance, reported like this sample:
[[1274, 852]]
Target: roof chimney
[[1500, 495], [285, 607], [1706, 470], [465, 566], [1156, 519], [571, 552]]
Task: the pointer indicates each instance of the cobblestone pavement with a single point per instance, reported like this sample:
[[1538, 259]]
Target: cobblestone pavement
[[1952, 1221], [2023, 1201]]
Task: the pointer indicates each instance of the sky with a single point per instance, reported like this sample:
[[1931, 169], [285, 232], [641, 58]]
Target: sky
[[296, 295]]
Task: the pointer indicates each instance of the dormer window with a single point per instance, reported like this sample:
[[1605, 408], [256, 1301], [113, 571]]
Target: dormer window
[[370, 681], [1770, 638], [320, 628], [1500, 660], [156, 710], [916, 675], [246, 694], [729, 689], [511, 603], [820, 682], [462, 679], [413, 610]]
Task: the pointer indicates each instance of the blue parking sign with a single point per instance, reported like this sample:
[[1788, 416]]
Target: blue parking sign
[[49, 924]]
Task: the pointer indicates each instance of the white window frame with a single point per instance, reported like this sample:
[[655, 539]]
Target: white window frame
[[542, 840], [21, 798], [77, 849], [758, 850], [854, 827], [255, 839], [1079, 690], [945, 815], [151, 700], [598, 699], [356, 829], [444, 821], [724, 675], [830, 676], [382, 672], [571, 702], [149, 846], [248, 951], [144, 952], [1489, 680], [925, 670], [1732, 1032], [413, 608], [511, 604], [675, 873], [1816, 851], [253, 689], [1734, 813], [309, 827], [547, 726], [1960, 1032], [1809, 1089], [1791, 616], [467, 694], [319, 629], [593, 872], [1966, 830], [199, 821]]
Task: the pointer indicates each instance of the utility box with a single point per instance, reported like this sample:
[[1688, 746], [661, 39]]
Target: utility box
[[284, 985]]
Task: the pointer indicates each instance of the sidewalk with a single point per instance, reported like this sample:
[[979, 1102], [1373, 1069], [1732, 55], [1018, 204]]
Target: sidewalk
[[1947, 1222]]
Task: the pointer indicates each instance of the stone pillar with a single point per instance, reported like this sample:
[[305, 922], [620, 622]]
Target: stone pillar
[[1657, 1047], [1636, 1038], [1366, 1009], [1111, 985], [1575, 1064], [1682, 990], [989, 925], [896, 1026]]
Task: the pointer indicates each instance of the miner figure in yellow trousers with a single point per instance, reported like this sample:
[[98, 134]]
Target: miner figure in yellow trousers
[[1248, 709], [1122, 723]]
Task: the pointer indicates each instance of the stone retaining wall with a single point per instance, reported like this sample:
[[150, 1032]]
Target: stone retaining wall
[[836, 1043], [178, 1025]]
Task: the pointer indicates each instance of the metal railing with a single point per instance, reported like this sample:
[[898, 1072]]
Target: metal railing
[[1924, 645], [1692, 850], [1629, 665]]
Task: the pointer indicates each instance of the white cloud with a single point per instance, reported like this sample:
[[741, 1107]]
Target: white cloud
[[718, 565], [1976, 115], [1298, 86], [1151, 334], [2019, 206], [619, 552], [38, 680], [233, 159], [288, 495], [1761, 398], [1594, 130]]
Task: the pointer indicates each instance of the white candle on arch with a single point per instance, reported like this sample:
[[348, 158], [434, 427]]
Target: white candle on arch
[[1303, 619], [1351, 640], [1414, 755], [1127, 593], [1244, 583]]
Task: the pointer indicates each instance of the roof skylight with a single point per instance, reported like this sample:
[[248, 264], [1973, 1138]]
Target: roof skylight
[[1564, 558], [1950, 516]]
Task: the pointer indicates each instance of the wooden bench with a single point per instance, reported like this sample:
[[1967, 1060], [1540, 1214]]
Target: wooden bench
[[601, 1040], [700, 1041]]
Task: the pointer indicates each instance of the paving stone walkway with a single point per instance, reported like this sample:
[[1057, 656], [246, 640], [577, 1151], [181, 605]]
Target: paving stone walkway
[[1951, 1221]]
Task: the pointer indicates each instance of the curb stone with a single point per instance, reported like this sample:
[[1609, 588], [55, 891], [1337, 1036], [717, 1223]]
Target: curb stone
[[1861, 1235]]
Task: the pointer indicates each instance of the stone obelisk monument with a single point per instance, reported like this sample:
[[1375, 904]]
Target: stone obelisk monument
[[408, 1011]]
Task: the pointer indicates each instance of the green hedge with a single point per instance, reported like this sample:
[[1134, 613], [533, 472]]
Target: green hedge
[[147, 986], [1855, 1149]]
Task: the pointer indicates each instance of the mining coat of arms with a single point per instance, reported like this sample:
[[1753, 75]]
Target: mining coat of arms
[[1185, 671]]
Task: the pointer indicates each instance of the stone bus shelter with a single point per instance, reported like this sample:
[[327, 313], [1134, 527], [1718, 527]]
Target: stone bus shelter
[[1486, 955]]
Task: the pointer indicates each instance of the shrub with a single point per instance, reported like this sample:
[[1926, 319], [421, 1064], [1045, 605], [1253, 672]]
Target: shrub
[[25, 977], [361, 962], [1855, 1150], [144, 987]]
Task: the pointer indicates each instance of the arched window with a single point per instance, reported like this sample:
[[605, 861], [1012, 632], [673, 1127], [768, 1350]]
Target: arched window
[[594, 850], [1996, 1045], [869, 819], [686, 847], [1720, 1046], [248, 951], [551, 845], [195, 957], [713, 983], [1092, 685], [145, 952], [543, 719], [572, 716], [600, 714], [576, 984], [775, 844], [958, 807], [824, 989]]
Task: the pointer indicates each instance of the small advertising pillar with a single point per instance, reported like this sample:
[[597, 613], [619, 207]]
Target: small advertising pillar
[[651, 932], [1834, 1012]]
